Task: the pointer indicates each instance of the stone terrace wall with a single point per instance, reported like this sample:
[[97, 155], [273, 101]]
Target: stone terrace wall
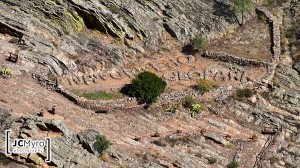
[[275, 27], [276, 47], [225, 57], [98, 105]]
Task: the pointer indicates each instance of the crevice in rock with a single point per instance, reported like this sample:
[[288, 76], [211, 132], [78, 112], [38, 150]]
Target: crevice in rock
[[50, 163], [42, 127], [4, 29], [53, 128], [85, 146], [91, 22], [169, 30]]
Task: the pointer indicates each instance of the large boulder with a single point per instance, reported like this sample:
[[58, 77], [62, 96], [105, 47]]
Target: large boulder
[[87, 138], [58, 126]]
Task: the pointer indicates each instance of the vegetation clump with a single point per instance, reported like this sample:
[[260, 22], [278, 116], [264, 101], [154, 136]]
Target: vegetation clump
[[233, 164], [212, 160], [197, 108], [204, 85], [147, 87], [101, 144], [3, 159], [192, 105], [244, 93], [189, 101], [170, 108], [6, 73], [198, 43], [243, 6]]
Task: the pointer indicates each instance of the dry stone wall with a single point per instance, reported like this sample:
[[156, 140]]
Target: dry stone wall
[[275, 27], [225, 57], [98, 105], [276, 47]]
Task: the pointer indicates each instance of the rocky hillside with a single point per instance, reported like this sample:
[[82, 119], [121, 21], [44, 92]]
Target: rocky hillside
[[55, 54], [56, 32]]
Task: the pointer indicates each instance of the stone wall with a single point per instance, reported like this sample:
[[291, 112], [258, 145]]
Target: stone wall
[[275, 28], [276, 47], [98, 105], [225, 57]]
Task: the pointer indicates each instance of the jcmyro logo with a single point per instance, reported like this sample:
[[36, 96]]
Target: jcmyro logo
[[27, 146]]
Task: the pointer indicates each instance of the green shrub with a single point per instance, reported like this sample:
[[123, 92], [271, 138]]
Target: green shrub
[[233, 164], [204, 85], [197, 108], [5, 72], [198, 43], [147, 87], [101, 144], [4, 160], [192, 105], [171, 108], [212, 160], [241, 93], [189, 101]]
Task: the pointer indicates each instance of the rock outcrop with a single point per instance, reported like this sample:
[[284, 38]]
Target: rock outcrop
[[53, 33], [66, 148]]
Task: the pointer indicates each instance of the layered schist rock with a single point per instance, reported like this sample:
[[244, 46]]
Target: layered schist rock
[[53, 31]]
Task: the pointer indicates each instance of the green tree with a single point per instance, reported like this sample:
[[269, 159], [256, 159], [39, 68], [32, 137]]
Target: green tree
[[243, 6], [147, 87]]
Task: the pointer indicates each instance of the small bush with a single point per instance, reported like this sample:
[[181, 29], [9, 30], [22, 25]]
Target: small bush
[[147, 87], [197, 108], [5, 72], [189, 101], [198, 43], [192, 105], [212, 160], [101, 144], [241, 93], [170, 108], [204, 85], [4, 160], [233, 164]]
